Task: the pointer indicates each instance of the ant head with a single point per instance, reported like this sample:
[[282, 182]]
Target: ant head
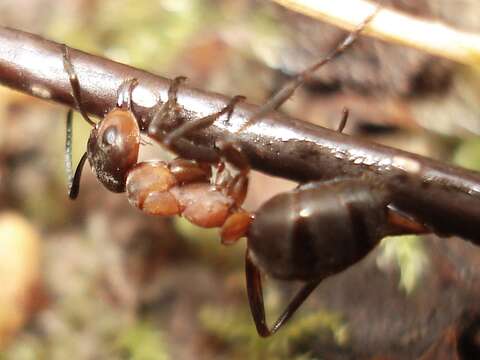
[[114, 142]]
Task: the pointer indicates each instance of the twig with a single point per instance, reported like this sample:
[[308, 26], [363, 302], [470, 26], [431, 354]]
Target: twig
[[445, 197], [393, 26]]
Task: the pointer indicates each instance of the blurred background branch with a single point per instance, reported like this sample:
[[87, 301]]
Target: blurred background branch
[[431, 36]]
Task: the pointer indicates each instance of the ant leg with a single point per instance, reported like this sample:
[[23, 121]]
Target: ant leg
[[168, 111], [401, 223], [73, 180], [72, 76], [237, 186], [343, 121], [287, 90], [167, 114], [202, 122], [255, 298]]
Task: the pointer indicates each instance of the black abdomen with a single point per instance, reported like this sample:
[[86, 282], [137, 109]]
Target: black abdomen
[[318, 229]]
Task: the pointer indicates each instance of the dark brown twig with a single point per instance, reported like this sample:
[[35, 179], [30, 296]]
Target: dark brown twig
[[445, 197]]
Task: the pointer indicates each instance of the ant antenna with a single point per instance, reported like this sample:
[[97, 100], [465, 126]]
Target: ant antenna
[[72, 76], [287, 91], [73, 180], [68, 150]]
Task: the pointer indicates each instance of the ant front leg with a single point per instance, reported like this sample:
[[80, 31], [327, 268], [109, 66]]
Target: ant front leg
[[164, 125], [257, 306], [73, 180], [74, 83]]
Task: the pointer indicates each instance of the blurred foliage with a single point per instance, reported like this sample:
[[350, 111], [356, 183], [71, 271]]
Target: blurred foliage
[[408, 253], [138, 32], [142, 341], [468, 154]]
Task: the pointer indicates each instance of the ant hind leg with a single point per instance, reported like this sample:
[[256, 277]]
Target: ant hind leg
[[257, 306]]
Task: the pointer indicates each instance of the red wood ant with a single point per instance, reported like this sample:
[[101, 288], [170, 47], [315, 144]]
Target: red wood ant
[[308, 234], [179, 187]]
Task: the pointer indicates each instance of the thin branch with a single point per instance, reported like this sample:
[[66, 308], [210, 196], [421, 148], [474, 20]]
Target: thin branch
[[445, 197], [393, 26]]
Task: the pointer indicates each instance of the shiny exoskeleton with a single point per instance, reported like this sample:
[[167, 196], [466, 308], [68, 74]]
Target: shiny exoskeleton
[[326, 216], [114, 142], [179, 187], [314, 231]]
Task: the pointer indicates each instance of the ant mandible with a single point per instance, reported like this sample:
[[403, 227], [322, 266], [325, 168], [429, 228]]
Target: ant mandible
[[308, 234]]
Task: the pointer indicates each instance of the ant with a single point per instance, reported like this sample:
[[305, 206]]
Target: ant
[[314, 231], [179, 187]]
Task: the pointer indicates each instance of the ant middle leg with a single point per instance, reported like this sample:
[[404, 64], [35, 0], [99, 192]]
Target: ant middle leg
[[203, 122], [228, 150], [164, 124]]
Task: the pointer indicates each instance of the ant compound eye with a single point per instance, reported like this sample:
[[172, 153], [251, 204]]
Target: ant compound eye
[[110, 136]]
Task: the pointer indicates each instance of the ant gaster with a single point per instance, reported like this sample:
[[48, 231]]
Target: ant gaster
[[307, 234]]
